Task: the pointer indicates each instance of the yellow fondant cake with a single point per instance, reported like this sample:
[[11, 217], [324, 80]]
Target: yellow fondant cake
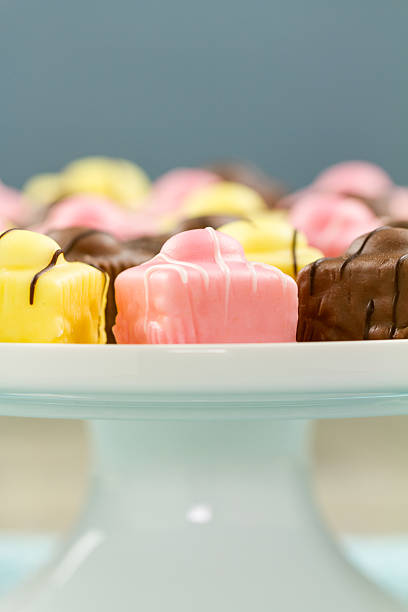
[[118, 180], [269, 238], [44, 298]]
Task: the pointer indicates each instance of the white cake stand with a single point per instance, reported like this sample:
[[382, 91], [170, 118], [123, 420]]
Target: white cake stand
[[201, 496]]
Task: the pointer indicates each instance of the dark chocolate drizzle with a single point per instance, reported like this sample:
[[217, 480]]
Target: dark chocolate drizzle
[[369, 314], [52, 263], [33, 283], [12, 229], [313, 270], [396, 293], [360, 250], [294, 257]]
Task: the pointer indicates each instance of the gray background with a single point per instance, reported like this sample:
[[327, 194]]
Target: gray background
[[291, 84]]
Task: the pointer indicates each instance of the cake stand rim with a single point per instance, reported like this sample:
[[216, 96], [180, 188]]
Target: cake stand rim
[[214, 381]]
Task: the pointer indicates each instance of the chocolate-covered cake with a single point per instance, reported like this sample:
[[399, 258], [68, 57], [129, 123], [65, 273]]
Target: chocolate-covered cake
[[148, 244], [396, 222], [246, 174], [362, 295], [104, 251], [214, 221]]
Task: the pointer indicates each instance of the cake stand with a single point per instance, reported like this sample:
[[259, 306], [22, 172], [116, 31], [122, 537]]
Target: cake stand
[[200, 498]]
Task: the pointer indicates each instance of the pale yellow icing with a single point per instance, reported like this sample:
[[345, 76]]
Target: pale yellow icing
[[269, 238], [67, 301]]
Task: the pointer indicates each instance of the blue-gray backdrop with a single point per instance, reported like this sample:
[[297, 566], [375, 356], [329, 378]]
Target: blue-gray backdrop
[[291, 84]]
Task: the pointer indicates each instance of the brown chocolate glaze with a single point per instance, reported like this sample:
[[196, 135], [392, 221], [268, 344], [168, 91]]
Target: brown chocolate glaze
[[81, 236], [80, 240], [358, 252], [270, 190], [150, 244], [360, 295], [105, 252], [204, 221], [48, 267], [313, 270]]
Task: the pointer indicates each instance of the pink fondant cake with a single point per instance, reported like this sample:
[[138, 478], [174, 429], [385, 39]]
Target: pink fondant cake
[[355, 178], [331, 222], [94, 212], [201, 289]]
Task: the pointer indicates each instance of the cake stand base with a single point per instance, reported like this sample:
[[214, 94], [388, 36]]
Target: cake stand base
[[201, 515]]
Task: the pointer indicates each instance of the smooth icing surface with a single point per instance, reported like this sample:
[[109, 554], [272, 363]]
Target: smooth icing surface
[[43, 298], [201, 288], [271, 239], [331, 222]]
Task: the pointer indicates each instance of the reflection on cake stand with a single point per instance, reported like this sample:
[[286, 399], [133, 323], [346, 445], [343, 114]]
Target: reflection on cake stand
[[200, 496]]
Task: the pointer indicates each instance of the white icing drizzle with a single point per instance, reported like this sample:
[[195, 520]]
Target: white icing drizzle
[[222, 264], [187, 264], [183, 276], [254, 277], [179, 267], [278, 272]]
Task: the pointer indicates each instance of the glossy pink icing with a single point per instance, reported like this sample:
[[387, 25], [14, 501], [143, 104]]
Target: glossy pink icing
[[331, 222], [358, 178], [94, 212], [201, 289]]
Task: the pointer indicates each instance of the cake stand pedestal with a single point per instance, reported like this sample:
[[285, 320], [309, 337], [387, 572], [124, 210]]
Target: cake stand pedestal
[[201, 497]]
